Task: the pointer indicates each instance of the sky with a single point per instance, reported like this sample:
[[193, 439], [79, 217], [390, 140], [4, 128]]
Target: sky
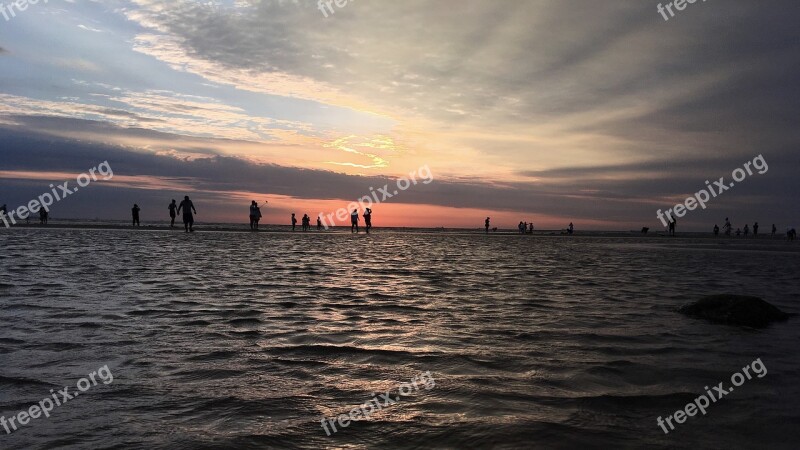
[[543, 111]]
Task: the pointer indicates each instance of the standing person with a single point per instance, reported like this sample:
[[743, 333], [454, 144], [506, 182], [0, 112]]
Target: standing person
[[43, 216], [531, 224], [571, 228], [255, 216], [716, 230], [728, 227], [188, 218], [294, 222], [135, 213], [319, 224], [306, 222], [672, 227], [755, 231], [173, 208], [253, 212], [487, 225], [368, 219], [354, 221], [774, 230], [746, 230]]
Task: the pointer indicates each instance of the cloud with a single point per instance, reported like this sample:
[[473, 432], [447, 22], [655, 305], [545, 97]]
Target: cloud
[[596, 195]]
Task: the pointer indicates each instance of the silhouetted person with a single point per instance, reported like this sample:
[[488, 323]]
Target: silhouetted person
[[571, 228], [173, 212], [746, 230], [487, 225], [738, 232], [319, 224], [531, 224], [672, 224], [645, 230], [306, 222], [368, 219], [43, 216], [716, 230], [755, 230], [521, 227], [728, 227], [135, 213], [354, 221], [254, 212], [774, 230], [188, 210], [792, 234]]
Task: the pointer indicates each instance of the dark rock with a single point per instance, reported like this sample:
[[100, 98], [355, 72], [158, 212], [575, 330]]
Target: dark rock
[[735, 310]]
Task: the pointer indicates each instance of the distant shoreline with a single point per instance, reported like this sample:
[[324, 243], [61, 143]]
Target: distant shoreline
[[286, 229]]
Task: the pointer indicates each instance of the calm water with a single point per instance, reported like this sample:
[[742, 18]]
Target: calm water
[[235, 340]]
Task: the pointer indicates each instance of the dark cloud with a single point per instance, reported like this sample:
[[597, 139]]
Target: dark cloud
[[610, 193]]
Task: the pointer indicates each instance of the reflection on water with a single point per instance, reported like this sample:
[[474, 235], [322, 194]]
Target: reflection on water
[[248, 341]]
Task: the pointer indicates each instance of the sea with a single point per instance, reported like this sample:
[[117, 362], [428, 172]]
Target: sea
[[235, 340]]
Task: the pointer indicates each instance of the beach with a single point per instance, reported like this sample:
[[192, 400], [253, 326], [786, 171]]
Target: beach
[[252, 340]]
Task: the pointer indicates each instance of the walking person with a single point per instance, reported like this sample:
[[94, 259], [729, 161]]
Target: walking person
[[188, 217], [319, 224], [354, 221], [173, 212], [135, 213], [368, 219]]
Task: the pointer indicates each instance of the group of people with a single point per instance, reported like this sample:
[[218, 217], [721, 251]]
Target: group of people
[[355, 221], [44, 215], [188, 209], [174, 209], [524, 228], [306, 223], [255, 215], [728, 228]]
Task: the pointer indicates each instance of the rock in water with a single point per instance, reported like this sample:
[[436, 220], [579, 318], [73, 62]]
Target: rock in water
[[735, 310]]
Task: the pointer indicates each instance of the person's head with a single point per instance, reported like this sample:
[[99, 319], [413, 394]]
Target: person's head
[[173, 200], [135, 205], [253, 203], [355, 211], [186, 197], [292, 214]]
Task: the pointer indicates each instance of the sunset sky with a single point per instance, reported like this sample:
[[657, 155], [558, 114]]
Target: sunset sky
[[597, 113]]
